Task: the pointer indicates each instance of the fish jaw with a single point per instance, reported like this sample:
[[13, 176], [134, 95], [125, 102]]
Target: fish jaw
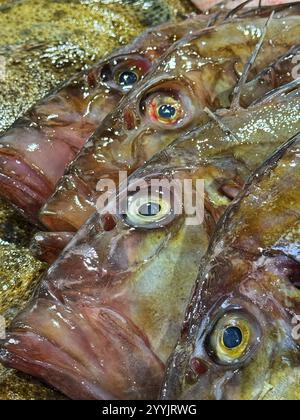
[[86, 352], [22, 186]]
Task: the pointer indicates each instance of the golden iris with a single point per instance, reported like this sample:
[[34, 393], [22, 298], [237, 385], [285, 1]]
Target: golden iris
[[231, 338], [146, 211], [166, 110]]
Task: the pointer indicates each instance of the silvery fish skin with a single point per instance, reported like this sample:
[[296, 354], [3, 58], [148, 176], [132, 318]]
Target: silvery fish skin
[[98, 327], [241, 336], [34, 153], [197, 72]]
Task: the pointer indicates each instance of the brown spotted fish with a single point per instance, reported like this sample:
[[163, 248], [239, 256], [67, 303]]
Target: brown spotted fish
[[98, 327], [35, 151], [197, 72], [240, 339]]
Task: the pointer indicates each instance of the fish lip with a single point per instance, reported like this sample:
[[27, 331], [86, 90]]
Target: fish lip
[[19, 191], [11, 360], [76, 370]]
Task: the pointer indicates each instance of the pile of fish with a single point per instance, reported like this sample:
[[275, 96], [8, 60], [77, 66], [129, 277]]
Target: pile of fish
[[153, 301]]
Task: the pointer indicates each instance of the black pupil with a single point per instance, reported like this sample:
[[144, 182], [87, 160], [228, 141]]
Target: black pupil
[[167, 111], [128, 78], [149, 209], [233, 337]]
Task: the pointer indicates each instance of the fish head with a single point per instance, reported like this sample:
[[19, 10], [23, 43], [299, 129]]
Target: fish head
[[170, 101], [108, 82], [240, 339], [109, 311], [146, 121], [196, 73]]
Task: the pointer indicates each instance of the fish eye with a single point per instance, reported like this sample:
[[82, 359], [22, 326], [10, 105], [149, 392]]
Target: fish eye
[[233, 338], [128, 78], [122, 73], [149, 210], [167, 109]]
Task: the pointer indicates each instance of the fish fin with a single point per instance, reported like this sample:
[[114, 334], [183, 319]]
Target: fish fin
[[289, 90], [219, 121], [220, 8], [234, 11], [213, 20], [235, 104]]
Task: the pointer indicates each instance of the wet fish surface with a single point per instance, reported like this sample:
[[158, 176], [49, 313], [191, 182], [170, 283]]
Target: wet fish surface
[[39, 56], [196, 73], [240, 339], [40, 144], [104, 293]]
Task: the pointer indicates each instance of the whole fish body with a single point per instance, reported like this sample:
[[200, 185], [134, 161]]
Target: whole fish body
[[98, 327], [241, 336], [39, 146], [198, 72]]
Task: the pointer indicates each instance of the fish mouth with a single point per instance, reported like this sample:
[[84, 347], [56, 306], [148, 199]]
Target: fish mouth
[[68, 207], [85, 352], [21, 185]]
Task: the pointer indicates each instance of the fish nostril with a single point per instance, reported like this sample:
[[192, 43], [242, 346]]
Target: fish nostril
[[198, 366], [129, 120], [108, 222]]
